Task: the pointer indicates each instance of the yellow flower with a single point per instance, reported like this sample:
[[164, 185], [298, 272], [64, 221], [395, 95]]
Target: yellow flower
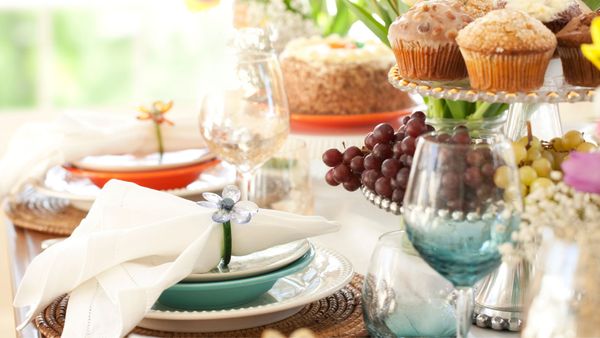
[[592, 52], [156, 112], [201, 5]]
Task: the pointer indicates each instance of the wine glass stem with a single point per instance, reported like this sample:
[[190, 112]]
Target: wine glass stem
[[246, 180], [464, 311]]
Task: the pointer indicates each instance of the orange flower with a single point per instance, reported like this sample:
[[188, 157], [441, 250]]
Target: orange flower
[[156, 112]]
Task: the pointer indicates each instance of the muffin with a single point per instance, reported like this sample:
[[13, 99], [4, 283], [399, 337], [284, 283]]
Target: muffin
[[506, 50], [554, 14], [424, 41], [474, 8], [577, 69]]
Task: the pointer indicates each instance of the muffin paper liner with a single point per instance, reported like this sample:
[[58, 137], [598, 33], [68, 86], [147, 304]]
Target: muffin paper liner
[[443, 62], [506, 72], [577, 70]]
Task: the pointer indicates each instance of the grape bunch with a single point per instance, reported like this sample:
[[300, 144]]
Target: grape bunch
[[466, 173], [537, 159], [383, 164]]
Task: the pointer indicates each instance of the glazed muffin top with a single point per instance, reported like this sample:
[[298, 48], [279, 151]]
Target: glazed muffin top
[[430, 23], [558, 12], [474, 8], [506, 31], [577, 31]]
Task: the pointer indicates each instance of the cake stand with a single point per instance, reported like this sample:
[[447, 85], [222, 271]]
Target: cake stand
[[499, 297]]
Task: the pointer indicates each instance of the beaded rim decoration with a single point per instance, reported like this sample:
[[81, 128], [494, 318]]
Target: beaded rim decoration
[[381, 202], [461, 90]]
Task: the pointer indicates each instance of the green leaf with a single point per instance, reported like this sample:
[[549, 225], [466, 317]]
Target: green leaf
[[592, 4], [342, 21], [369, 20], [316, 7], [402, 7], [381, 12], [459, 109]]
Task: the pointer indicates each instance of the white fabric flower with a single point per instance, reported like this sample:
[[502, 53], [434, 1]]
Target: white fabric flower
[[228, 207]]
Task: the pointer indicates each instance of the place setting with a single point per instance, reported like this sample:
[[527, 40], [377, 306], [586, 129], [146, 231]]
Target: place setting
[[429, 184]]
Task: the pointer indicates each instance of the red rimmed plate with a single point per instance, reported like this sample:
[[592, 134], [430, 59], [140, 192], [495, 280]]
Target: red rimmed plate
[[335, 124], [164, 179]]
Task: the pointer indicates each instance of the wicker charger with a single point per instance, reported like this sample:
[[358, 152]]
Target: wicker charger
[[34, 211], [339, 315]]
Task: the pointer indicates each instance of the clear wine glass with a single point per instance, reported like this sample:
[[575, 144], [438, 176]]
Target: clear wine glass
[[244, 118], [462, 201]]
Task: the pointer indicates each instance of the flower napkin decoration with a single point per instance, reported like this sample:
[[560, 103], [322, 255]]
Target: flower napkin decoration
[[229, 207], [156, 113]]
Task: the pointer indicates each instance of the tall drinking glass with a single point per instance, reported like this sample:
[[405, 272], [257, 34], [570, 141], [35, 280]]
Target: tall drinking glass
[[245, 119], [462, 201]]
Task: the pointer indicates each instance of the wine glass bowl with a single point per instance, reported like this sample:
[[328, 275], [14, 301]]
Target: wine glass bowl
[[462, 201], [244, 119]]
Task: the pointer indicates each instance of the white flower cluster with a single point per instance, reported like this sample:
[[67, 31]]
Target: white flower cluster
[[285, 24], [572, 215]]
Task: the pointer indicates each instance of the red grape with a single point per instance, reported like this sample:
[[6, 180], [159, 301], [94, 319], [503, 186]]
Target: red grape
[[383, 151], [372, 162], [405, 119], [402, 178], [484, 192], [397, 150], [450, 180], [332, 157], [329, 178], [390, 167], [350, 153], [415, 127], [408, 145], [398, 195], [383, 133], [353, 184], [369, 178], [474, 158], [399, 136], [443, 138], [461, 138], [357, 165], [342, 173], [473, 177], [370, 141], [383, 187], [487, 170], [406, 160], [418, 115], [430, 128]]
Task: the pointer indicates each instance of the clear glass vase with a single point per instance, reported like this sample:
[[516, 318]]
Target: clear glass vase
[[565, 295], [403, 296], [495, 123]]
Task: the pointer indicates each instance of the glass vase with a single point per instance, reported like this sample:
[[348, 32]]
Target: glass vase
[[495, 123], [403, 296], [565, 295]]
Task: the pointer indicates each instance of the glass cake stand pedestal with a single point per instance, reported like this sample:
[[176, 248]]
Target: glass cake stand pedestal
[[499, 297]]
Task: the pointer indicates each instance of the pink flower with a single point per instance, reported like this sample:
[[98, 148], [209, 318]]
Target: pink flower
[[582, 172]]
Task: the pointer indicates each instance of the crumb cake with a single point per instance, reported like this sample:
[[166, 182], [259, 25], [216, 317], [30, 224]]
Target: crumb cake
[[424, 41], [339, 76], [506, 50]]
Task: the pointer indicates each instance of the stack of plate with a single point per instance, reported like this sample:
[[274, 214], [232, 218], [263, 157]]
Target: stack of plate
[[257, 289], [184, 173]]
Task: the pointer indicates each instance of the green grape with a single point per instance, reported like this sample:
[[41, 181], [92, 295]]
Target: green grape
[[502, 177], [541, 182], [548, 155], [527, 175], [558, 144], [522, 141], [524, 190], [542, 167], [586, 147], [533, 154], [535, 143], [520, 152], [572, 139]]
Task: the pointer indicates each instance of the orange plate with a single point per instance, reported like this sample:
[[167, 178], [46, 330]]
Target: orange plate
[[164, 179], [345, 123]]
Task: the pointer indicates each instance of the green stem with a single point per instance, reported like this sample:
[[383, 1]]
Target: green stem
[[161, 148], [226, 253], [478, 114]]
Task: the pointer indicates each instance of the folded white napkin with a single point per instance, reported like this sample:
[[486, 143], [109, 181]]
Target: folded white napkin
[[136, 242], [36, 147]]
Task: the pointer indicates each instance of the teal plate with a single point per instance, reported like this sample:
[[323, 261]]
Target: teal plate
[[228, 294]]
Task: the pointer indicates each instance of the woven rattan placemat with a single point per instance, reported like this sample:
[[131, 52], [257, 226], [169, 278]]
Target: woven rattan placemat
[[339, 315], [34, 211]]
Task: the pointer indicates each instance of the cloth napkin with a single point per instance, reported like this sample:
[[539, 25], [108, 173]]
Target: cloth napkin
[[36, 147], [134, 243]]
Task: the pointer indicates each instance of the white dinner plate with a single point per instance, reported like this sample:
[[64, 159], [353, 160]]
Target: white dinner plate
[[81, 192], [256, 263], [327, 273], [129, 162]]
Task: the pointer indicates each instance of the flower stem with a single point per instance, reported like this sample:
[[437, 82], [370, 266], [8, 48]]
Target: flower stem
[[161, 148], [226, 253]]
